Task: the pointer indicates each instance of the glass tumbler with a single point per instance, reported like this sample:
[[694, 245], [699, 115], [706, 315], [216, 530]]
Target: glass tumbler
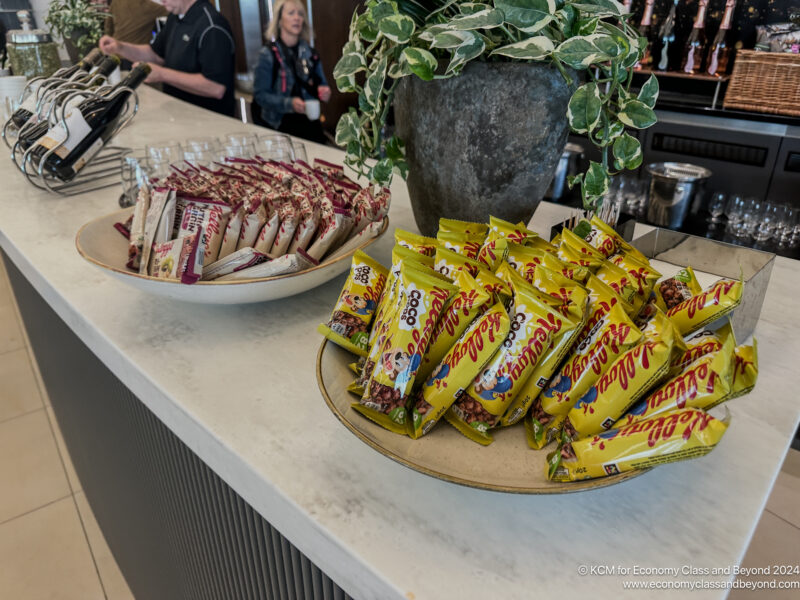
[[275, 147], [716, 207], [160, 157], [751, 216], [771, 221], [300, 151], [734, 210]]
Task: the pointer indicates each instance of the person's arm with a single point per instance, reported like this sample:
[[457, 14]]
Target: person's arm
[[194, 83], [323, 90], [263, 85], [133, 52]]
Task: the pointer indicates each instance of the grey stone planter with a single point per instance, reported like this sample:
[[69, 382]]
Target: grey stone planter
[[485, 142]]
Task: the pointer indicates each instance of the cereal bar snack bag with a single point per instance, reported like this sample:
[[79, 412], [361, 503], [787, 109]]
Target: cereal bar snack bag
[[494, 285], [703, 384], [459, 367], [456, 317], [745, 369], [678, 435], [463, 227], [515, 233], [618, 280], [350, 322], [424, 297], [416, 242], [571, 300], [448, 263], [673, 291], [137, 227], [582, 253], [493, 251], [627, 380], [601, 299], [466, 244], [641, 275], [699, 344], [610, 337], [525, 260], [706, 307], [533, 325]]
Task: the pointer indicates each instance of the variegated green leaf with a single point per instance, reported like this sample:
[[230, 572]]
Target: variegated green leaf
[[580, 52], [470, 8], [348, 65], [529, 16], [381, 173], [398, 28], [465, 53], [485, 19], [347, 128], [636, 114], [453, 39], [400, 68], [627, 152], [649, 93], [346, 84], [595, 181], [600, 8], [534, 48], [609, 134], [374, 83], [421, 62], [381, 10], [587, 26], [583, 111]]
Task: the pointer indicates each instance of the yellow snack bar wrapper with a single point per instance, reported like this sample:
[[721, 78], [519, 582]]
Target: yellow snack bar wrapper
[[745, 369], [525, 260], [600, 235], [673, 291], [533, 325], [699, 344], [585, 248], [424, 297], [602, 298], [642, 276], [707, 306], [655, 330], [516, 233], [539, 243], [618, 280], [416, 242], [466, 244], [678, 435], [349, 325], [456, 317], [571, 254], [448, 263], [571, 300], [627, 380], [493, 284], [703, 384], [556, 241], [613, 335], [463, 227], [493, 251], [459, 367]]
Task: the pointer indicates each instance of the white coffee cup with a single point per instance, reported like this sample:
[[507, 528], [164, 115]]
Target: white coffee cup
[[312, 109]]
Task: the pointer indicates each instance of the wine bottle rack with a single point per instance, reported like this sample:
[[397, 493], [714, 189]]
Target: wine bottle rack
[[101, 171]]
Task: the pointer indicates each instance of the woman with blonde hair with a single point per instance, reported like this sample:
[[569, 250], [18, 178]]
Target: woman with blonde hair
[[289, 73]]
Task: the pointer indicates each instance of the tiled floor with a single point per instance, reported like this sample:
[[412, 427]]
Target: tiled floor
[[51, 546]]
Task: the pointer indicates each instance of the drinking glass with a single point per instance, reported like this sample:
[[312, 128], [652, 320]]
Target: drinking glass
[[771, 221], [275, 146], [751, 216], [734, 210], [200, 158], [300, 151], [241, 138], [160, 157], [132, 177], [238, 151], [716, 207], [790, 227], [202, 144]]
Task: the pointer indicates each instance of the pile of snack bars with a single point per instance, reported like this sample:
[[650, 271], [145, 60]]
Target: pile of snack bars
[[250, 218], [491, 325]]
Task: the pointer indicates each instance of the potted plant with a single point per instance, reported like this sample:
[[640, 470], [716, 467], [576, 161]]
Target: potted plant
[[450, 68], [79, 23]]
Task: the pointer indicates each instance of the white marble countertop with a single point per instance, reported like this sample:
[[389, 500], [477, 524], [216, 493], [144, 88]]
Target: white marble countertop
[[238, 386]]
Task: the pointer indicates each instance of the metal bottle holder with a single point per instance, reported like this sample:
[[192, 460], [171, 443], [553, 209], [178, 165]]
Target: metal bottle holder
[[102, 170]]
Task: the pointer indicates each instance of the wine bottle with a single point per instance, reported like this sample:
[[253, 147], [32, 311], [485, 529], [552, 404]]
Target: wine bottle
[[695, 48], [647, 31], [666, 36], [28, 106], [719, 53], [33, 129], [89, 126]]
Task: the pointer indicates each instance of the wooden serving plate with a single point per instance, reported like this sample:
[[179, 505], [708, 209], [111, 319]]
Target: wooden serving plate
[[506, 465]]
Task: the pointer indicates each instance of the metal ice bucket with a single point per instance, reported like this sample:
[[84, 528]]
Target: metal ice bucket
[[672, 190]]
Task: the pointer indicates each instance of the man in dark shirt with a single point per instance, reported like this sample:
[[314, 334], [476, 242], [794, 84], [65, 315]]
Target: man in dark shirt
[[192, 55]]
